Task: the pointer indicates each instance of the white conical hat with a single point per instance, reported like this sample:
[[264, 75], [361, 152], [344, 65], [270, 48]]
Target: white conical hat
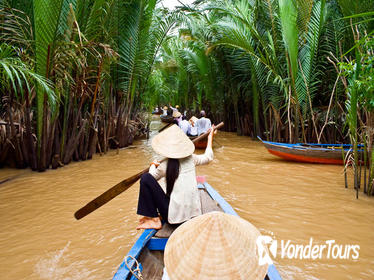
[[214, 246], [173, 143]]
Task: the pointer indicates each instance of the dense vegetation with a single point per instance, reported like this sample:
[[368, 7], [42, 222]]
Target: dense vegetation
[[288, 71], [76, 74], [72, 72]]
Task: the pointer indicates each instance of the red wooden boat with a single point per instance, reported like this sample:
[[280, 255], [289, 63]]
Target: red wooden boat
[[200, 144], [310, 152]]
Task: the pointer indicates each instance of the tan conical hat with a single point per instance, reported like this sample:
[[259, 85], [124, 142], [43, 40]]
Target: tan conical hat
[[176, 114], [214, 246], [173, 143], [193, 119], [165, 107]]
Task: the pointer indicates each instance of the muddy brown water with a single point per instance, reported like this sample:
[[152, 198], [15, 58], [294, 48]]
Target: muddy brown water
[[40, 239]]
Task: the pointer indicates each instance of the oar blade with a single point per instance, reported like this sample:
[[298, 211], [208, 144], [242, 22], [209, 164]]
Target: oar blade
[[108, 195]]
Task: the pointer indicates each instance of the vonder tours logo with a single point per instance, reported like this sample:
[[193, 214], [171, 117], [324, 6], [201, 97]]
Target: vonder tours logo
[[330, 250]]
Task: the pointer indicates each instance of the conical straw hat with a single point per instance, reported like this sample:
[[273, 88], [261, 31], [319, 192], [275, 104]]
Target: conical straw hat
[[193, 119], [214, 246], [165, 107], [173, 143], [176, 114]]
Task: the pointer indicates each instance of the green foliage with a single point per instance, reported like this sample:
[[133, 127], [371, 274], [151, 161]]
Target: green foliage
[[17, 76], [360, 73], [288, 15]]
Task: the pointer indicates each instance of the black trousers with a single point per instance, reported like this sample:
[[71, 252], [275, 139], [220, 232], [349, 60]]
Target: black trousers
[[152, 199]]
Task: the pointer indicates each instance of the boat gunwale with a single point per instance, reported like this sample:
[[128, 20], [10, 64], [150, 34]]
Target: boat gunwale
[[123, 273]]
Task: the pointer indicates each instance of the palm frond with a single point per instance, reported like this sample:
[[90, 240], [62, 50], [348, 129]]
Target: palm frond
[[17, 76], [288, 15], [306, 80]]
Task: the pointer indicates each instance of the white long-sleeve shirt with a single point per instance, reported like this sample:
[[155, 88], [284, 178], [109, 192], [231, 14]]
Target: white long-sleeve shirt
[[192, 130], [184, 125], [203, 125], [185, 198]]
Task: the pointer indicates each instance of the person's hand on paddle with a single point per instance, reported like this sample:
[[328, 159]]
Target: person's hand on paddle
[[210, 136]]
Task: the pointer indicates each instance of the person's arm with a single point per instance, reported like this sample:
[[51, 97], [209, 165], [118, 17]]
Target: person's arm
[[208, 155], [158, 170], [210, 137]]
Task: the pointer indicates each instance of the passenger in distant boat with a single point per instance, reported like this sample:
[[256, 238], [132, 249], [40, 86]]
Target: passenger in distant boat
[[165, 111], [176, 109], [215, 245], [192, 128], [184, 125], [203, 124], [170, 111], [180, 121], [177, 117], [179, 200]]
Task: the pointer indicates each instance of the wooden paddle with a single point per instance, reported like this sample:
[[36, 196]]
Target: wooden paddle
[[121, 187], [165, 127]]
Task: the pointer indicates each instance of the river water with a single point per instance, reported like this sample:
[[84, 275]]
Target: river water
[[40, 239]]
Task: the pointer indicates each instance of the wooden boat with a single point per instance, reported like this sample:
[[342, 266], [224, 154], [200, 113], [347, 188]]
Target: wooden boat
[[167, 119], [148, 250], [310, 152], [199, 144]]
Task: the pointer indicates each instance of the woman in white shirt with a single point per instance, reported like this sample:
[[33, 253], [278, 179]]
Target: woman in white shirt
[[180, 200], [192, 128]]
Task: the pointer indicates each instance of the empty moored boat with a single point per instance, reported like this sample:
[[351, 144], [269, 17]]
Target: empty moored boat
[[310, 152], [147, 254]]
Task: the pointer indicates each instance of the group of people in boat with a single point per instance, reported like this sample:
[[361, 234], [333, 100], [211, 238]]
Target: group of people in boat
[[192, 127]]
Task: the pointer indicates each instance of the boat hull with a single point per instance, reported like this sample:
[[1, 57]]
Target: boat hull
[[199, 144], [167, 119], [309, 153]]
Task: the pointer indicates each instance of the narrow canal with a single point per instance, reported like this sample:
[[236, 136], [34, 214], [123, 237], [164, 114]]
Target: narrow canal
[[40, 239]]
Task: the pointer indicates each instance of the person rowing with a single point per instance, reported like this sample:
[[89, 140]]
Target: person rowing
[[179, 200], [175, 109], [203, 124]]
